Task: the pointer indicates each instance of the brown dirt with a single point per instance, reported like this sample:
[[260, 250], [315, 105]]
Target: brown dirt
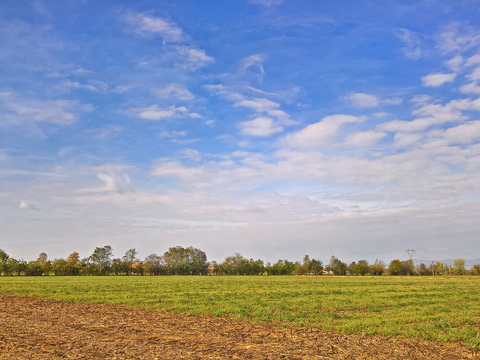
[[32, 328]]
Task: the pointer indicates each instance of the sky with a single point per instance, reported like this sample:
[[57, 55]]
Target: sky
[[271, 128]]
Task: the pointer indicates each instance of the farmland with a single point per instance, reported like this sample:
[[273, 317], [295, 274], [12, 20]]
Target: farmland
[[442, 309]]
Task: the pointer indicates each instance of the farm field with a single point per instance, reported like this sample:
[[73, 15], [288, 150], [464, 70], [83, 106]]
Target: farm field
[[445, 309]]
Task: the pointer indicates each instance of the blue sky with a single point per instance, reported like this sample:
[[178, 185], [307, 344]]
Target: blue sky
[[266, 127]]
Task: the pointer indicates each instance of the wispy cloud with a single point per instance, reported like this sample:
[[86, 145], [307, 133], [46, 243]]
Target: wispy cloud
[[60, 112], [156, 113], [438, 79], [261, 126], [174, 91], [147, 25], [266, 3], [321, 133]]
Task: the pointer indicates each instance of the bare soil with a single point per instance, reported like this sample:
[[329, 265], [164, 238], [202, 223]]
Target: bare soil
[[33, 328]]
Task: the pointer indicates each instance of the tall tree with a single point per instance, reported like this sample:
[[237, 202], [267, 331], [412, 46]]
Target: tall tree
[[185, 261], [3, 262], [154, 264], [44, 263], [101, 259], [73, 262], [129, 258]]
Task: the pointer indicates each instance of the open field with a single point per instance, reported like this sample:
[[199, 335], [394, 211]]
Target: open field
[[446, 309], [36, 328]]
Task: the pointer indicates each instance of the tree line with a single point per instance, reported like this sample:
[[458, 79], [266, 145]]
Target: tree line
[[191, 261]]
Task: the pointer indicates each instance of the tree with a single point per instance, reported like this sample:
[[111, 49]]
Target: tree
[[185, 261], [73, 262], [281, 267], [459, 267], [129, 258], [59, 267], [422, 270], [361, 268], [44, 263], [235, 264], [154, 264], [33, 268], [475, 270], [101, 259], [3, 262], [395, 267], [336, 266], [377, 268]]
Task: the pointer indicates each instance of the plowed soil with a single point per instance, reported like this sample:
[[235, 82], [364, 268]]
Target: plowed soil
[[32, 328]]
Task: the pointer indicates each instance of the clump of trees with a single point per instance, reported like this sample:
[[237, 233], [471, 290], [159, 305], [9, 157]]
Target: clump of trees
[[191, 261]]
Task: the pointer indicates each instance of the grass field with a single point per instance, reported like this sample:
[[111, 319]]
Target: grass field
[[434, 308]]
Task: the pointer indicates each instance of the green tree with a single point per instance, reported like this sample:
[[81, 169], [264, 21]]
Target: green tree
[[395, 267], [59, 267], [185, 261], [235, 264], [33, 268], [336, 266], [361, 268], [154, 264], [281, 267], [377, 268], [475, 270], [3, 262], [130, 258], [44, 263], [101, 259], [459, 267]]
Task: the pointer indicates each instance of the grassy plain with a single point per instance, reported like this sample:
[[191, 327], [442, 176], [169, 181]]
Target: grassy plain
[[433, 308]]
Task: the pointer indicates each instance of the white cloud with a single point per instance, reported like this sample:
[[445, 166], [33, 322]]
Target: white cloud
[[266, 3], [177, 170], [224, 92], [254, 61], [438, 79], [463, 134], [414, 47], [282, 116], [260, 105], [456, 38], [475, 75], [261, 126], [455, 63], [175, 91], [115, 183], [320, 133], [471, 88], [95, 86], [147, 26], [155, 113], [25, 205], [193, 58], [16, 109], [405, 126], [362, 100], [473, 60], [405, 140], [365, 138]]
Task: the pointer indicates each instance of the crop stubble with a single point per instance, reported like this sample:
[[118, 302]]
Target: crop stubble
[[36, 328]]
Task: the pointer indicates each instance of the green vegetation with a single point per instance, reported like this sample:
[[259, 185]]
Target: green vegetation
[[432, 308], [191, 261]]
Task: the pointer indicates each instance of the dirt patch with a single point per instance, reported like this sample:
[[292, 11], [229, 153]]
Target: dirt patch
[[32, 328]]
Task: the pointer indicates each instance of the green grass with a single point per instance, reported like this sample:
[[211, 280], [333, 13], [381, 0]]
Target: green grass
[[434, 308]]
